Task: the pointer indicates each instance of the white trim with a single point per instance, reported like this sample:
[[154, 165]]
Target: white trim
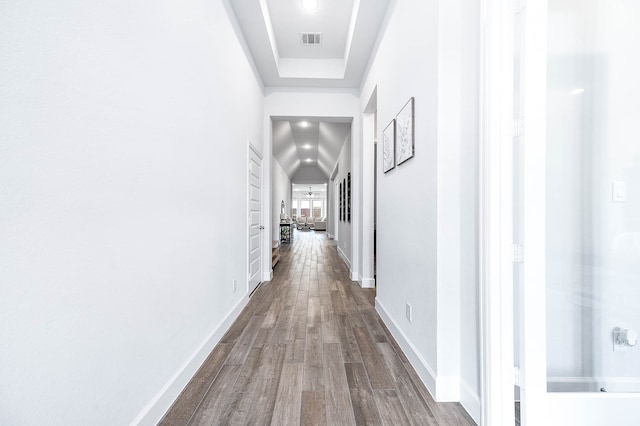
[[441, 388], [267, 276], [367, 184], [422, 367], [534, 408], [470, 401], [495, 221], [368, 283], [591, 408], [593, 384], [153, 412], [334, 173], [345, 259], [447, 388]]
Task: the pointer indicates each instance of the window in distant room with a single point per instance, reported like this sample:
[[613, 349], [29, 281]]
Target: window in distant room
[[317, 208], [305, 208]]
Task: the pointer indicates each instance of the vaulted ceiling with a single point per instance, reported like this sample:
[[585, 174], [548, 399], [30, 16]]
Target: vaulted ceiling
[[303, 141]]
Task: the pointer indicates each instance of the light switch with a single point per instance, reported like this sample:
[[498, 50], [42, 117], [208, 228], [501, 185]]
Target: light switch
[[619, 192]]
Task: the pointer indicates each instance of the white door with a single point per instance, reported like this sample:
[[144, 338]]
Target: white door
[[255, 218], [581, 213]]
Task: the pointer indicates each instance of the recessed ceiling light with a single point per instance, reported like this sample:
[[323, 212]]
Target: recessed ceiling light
[[310, 4], [304, 124], [308, 160], [307, 146]]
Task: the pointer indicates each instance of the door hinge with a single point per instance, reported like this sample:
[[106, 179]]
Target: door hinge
[[518, 6], [518, 127], [518, 253], [516, 376]]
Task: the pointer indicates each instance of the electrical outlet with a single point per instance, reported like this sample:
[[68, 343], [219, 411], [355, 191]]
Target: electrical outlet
[[409, 312], [235, 285]]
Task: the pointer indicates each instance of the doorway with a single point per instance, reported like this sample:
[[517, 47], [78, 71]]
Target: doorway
[[369, 191]]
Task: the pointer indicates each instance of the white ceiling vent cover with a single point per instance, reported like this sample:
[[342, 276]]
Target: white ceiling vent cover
[[311, 39]]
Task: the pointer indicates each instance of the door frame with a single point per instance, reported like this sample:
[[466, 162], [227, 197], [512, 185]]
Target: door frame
[[495, 212], [368, 185], [496, 250]]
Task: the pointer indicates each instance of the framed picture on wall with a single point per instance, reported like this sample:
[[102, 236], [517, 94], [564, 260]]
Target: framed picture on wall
[[349, 196], [340, 202], [405, 145], [344, 199], [389, 147]]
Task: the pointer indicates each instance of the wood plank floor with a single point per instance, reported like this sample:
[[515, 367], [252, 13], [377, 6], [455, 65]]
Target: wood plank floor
[[309, 349]]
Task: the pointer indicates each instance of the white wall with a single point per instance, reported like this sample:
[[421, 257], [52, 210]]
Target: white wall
[[407, 196], [280, 191], [427, 207], [121, 228]]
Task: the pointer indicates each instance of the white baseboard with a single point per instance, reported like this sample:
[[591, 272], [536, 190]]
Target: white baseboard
[[447, 388], [422, 367], [160, 404], [470, 400], [594, 384], [368, 283], [344, 258], [441, 388], [267, 276]]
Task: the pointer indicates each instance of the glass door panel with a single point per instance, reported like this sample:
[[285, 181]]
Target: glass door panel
[[593, 196], [581, 215]]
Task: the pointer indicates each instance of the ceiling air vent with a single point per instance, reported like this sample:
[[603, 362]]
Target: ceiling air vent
[[311, 39]]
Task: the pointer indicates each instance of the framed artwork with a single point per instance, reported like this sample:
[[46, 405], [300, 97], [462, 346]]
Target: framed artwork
[[389, 147], [405, 145], [340, 202], [349, 196], [344, 199]]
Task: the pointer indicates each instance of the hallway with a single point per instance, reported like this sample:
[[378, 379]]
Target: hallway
[[310, 349]]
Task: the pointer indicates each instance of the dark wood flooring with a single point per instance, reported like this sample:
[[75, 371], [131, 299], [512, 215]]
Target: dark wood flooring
[[309, 349]]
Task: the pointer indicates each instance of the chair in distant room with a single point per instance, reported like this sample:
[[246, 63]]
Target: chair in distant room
[[301, 222]]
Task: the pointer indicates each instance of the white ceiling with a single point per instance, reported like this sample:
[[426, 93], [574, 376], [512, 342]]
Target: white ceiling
[[320, 142], [332, 20], [272, 30]]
